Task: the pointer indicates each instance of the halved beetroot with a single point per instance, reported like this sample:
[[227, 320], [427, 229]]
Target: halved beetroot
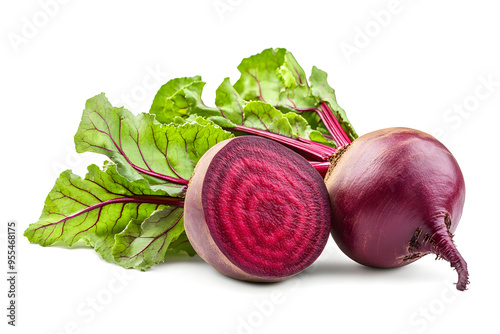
[[256, 211]]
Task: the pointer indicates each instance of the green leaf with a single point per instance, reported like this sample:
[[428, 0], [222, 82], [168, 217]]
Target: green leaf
[[143, 244], [275, 77], [133, 191], [229, 103], [263, 116], [322, 90], [163, 154], [229, 110], [175, 98], [170, 98], [192, 119], [259, 79], [181, 245], [95, 208], [290, 91], [232, 110], [302, 129], [290, 72]]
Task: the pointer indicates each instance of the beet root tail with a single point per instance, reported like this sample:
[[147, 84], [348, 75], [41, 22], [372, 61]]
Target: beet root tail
[[446, 249]]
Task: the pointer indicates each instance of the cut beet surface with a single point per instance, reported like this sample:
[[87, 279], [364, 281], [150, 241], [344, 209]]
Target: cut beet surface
[[257, 211]]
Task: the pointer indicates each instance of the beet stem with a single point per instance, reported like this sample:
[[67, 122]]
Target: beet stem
[[304, 147], [333, 126], [321, 167]]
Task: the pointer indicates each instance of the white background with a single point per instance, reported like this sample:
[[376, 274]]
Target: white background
[[416, 68]]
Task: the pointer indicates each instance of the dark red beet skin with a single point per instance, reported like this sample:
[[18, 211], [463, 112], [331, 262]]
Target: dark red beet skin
[[397, 194], [255, 210]]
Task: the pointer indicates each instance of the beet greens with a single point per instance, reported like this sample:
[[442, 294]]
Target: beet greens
[[131, 211]]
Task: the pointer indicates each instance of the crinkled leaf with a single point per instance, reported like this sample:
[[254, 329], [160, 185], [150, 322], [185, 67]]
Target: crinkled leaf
[[263, 116], [164, 154], [302, 129], [192, 119], [229, 103], [176, 96], [232, 110], [259, 78], [94, 209], [290, 72], [146, 157], [232, 107], [143, 244], [181, 245], [300, 101], [274, 76]]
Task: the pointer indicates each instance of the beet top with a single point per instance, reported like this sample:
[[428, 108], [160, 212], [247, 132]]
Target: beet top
[[255, 210], [397, 194]]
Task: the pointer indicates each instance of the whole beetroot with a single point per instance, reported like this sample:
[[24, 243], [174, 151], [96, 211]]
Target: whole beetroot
[[397, 194]]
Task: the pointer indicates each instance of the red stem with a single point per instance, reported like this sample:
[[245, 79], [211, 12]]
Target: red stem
[[333, 126], [305, 147], [321, 167]]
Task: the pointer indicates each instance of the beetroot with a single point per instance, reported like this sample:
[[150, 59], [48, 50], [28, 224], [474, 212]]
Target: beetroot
[[256, 211], [397, 194]]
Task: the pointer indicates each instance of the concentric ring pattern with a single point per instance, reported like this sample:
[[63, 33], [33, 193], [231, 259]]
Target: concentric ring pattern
[[266, 208]]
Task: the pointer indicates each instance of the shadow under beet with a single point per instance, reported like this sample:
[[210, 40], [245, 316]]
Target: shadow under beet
[[352, 271]]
